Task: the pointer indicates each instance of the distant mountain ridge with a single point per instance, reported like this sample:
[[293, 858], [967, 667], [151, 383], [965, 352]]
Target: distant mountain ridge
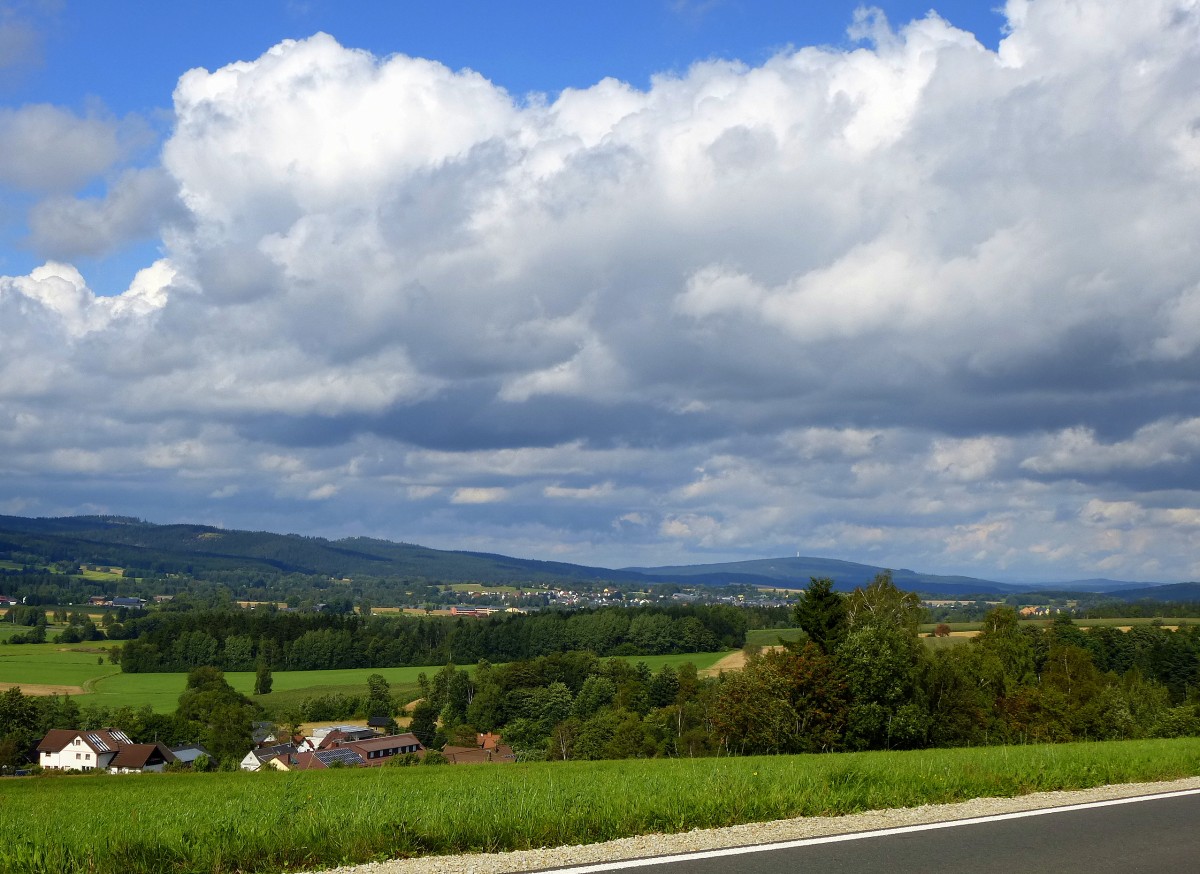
[[128, 542], [847, 575]]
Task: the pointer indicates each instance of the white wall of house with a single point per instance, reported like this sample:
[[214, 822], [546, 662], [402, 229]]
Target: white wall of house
[[78, 754]]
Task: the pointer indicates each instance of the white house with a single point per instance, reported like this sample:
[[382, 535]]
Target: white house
[[64, 749], [258, 756]]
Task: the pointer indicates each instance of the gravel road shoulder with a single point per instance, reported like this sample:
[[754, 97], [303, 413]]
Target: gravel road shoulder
[[754, 833]]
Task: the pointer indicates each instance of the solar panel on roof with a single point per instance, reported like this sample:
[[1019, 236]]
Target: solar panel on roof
[[98, 742], [121, 736], [347, 757]]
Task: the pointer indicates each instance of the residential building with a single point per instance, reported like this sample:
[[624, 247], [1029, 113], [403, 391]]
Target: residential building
[[141, 758], [65, 749]]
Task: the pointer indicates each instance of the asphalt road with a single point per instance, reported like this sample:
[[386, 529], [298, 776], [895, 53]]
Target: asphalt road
[[1157, 834]]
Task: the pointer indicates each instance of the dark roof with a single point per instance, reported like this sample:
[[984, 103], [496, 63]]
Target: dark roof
[[387, 742], [264, 753], [56, 739], [140, 755], [379, 721], [347, 757], [100, 740], [338, 737]]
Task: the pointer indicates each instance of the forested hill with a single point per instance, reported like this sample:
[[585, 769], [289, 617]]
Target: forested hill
[[131, 543], [847, 575], [197, 549]]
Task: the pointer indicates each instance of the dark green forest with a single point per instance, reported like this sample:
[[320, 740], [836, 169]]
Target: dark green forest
[[239, 640]]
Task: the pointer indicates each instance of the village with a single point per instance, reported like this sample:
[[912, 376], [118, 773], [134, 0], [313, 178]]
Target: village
[[340, 746]]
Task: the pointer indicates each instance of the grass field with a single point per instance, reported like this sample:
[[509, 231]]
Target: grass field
[[270, 821], [101, 576], [7, 630], [772, 636], [55, 665], [479, 587]]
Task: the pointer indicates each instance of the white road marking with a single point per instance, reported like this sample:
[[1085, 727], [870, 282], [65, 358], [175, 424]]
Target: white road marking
[[855, 836]]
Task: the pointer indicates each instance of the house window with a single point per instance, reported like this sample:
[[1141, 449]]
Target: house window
[[78, 756], [87, 757]]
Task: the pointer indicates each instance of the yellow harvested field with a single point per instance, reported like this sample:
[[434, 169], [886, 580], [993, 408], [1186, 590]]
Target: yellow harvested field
[[735, 661], [43, 689]]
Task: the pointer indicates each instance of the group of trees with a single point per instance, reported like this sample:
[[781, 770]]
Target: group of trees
[[210, 712], [239, 640], [862, 679]]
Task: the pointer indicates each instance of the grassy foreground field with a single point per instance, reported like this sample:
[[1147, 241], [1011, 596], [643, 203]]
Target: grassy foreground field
[[274, 821]]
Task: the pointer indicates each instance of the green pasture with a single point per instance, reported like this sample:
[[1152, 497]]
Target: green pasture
[[271, 821], [53, 664], [1118, 622], [76, 665], [101, 576], [943, 642], [479, 587], [7, 565], [772, 636]]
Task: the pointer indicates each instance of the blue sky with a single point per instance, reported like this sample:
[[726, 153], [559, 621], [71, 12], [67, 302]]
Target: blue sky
[[129, 54], [630, 284], [126, 56]]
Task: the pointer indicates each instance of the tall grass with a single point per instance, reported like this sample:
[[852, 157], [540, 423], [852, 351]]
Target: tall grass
[[275, 822]]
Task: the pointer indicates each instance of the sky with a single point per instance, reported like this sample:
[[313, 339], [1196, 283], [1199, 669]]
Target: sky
[[640, 283]]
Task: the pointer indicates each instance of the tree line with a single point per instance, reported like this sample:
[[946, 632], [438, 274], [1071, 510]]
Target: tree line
[[210, 712], [862, 679], [239, 640]]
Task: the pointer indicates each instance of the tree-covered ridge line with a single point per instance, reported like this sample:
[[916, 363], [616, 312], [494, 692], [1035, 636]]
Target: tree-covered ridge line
[[151, 551], [155, 550], [239, 640]]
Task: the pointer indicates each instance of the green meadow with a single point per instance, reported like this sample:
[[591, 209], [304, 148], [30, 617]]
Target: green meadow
[[48, 664], [270, 821]]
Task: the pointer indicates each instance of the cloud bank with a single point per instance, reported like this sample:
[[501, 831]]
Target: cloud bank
[[917, 303]]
